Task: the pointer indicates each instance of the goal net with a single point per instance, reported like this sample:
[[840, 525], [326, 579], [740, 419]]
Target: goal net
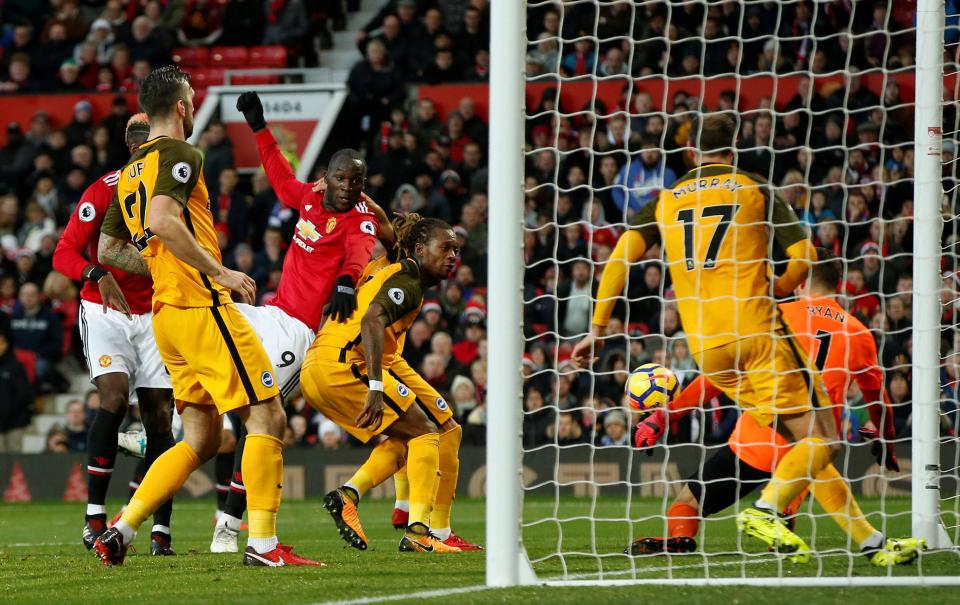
[[828, 106]]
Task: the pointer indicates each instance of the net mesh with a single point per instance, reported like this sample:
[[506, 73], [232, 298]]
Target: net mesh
[[822, 93]]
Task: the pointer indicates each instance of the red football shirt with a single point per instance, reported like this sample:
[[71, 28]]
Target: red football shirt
[[326, 244], [77, 248]]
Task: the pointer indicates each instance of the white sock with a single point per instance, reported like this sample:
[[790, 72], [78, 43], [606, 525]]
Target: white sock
[[874, 541], [263, 545], [163, 529], [355, 490], [126, 531], [218, 514], [764, 506], [441, 534], [403, 505], [229, 521], [96, 509]]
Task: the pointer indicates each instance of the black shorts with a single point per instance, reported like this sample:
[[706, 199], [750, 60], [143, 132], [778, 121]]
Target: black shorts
[[723, 480]]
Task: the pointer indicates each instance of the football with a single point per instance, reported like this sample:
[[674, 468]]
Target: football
[[650, 386]]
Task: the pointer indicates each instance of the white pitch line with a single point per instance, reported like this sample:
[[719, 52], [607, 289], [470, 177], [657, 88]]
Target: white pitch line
[[426, 594]]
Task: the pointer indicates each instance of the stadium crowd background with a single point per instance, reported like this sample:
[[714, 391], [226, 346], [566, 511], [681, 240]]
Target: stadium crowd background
[[842, 155]]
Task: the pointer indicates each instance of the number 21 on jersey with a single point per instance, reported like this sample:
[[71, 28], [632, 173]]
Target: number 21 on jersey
[[136, 206]]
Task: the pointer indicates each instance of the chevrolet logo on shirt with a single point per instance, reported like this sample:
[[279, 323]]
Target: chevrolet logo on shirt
[[308, 230]]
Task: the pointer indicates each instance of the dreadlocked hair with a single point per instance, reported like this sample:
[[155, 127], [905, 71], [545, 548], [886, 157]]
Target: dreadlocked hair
[[413, 229]]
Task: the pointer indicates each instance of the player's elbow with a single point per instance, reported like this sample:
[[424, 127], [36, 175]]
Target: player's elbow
[[107, 249], [371, 322]]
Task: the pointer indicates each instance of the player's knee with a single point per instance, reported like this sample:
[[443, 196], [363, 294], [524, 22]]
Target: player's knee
[[228, 442], [267, 418], [114, 401], [156, 417]]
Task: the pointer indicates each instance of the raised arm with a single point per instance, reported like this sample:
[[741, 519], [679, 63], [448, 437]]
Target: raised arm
[[289, 190]]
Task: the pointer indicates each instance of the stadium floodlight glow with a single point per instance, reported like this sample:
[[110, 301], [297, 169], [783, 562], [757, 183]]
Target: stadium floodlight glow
[[562, 514]]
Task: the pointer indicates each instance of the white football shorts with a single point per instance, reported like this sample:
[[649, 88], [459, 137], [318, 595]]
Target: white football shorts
[[113, 343], [286, 340]]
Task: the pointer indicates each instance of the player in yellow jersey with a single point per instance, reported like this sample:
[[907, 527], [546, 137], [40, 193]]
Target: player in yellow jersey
[[716, 224], [215, 359], [346, 376], [382, 461]]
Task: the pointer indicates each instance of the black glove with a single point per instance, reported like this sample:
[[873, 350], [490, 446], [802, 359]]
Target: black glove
[[882, 450], [250, 106], [344, 300]]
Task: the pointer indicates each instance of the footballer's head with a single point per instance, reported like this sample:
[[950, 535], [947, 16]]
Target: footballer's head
[[167, 96], [345, 178], [138, 131], [431, 242]]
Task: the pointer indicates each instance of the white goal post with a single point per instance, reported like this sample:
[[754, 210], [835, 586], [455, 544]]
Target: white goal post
[[507, 560]]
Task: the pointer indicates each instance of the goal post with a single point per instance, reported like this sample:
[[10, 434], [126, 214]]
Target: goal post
[[506, 562], [560, 511], [927, 282]]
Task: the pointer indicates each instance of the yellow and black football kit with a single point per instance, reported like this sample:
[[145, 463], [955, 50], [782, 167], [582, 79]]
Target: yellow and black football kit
[[334, 374], [213, 355], [715, 227]]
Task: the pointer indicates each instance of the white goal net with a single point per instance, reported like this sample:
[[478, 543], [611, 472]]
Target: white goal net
[[828, 108]]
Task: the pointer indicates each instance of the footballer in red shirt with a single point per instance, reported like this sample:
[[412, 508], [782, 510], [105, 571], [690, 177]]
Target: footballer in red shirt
[[332, 243], [121, 352]]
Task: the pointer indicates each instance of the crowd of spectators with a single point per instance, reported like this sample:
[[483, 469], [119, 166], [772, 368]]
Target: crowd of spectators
[[841, 153]]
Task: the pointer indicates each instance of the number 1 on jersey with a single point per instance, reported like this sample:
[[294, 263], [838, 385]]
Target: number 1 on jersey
[[686, 216]]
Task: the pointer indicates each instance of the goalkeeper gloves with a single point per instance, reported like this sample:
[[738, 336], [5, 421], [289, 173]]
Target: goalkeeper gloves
[[250, 106], [650, 430], [344, 300], [882, 450]]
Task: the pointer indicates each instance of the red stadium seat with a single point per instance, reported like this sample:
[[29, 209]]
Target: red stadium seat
[[229, 56], [191, 57], [254, 79], [207, 76], [268, 56]]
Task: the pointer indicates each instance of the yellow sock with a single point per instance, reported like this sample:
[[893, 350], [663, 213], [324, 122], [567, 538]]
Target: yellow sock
[[385, 460], [449, 472], [165, 477], [794, 472], [401, 484], [833, 493], [423, 463], [262, 468]]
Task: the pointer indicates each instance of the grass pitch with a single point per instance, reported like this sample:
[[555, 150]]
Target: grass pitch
[[43, 561]]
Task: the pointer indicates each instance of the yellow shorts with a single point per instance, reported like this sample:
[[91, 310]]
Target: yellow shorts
[[214, 357], [430, 401], [766, 375], [339, 392]]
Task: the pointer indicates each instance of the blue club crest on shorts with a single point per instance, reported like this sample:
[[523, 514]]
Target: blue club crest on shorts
[[267, 379], [403, 390], [441, 404]]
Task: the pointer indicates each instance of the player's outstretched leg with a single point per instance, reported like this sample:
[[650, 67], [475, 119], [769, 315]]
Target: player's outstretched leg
[[833, 493], [342, 503], [163, 479]]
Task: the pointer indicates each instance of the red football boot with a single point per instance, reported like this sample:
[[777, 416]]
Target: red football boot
[[400, 518], [455, 540], [280, 556]]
